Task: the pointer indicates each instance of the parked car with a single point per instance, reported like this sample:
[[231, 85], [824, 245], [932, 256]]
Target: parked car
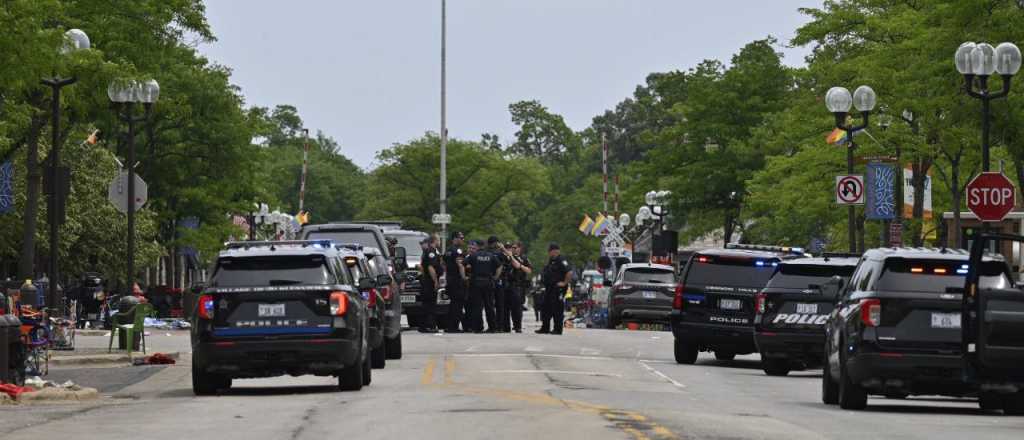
[[897, 328], [382, 272], [358, 265], [276, 308], [643, 292], [791, 312]]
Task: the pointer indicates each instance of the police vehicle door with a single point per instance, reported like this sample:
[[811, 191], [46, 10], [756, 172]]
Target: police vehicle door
[[992, 318]]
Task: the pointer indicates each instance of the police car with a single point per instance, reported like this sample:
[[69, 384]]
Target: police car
[[791, 312], [897, 329], [276, 308], [713, 305]]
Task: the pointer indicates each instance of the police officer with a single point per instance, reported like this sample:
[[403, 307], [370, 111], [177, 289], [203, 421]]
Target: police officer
[[431, 271], [557, 275], [455, 274], [483, 269], [500, 286], [519, 282]]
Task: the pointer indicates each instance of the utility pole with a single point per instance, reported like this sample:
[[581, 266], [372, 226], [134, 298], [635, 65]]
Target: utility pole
[[444, 127], [305, 170]]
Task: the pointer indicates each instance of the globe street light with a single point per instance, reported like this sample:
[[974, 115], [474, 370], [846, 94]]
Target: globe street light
[[59, 178], [125, 94], [838, 100], [976, 62]]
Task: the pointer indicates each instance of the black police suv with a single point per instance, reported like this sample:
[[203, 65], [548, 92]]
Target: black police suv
[[713, 307], [896, 329], [276, 308], [642, 292], [412, 306], [355, 261], [791, 312], [387, 286]]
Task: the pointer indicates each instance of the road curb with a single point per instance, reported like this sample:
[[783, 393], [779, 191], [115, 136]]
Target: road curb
[[58, 395], [99, 359]]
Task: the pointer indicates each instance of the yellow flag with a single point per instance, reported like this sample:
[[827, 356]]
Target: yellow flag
[[599, 224], [587, 225], [568, 292]]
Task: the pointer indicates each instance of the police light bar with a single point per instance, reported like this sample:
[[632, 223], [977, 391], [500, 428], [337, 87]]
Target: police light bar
[[350, 246], [274, 244], [762, 247]]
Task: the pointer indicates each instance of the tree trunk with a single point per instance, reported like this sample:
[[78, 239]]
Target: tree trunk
[[727, 229], [26, 265], [957, 196], [920, 168]]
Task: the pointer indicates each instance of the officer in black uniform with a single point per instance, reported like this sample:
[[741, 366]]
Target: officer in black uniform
[[519, 283], [483, 267], [431, 271], [500, 286], [455, 274], [557, 275]]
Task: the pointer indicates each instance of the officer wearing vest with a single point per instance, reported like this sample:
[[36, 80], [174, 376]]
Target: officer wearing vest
[[519, 283], [431, 271], [483, 271], [557, 275], [455, 274], [501, 285]]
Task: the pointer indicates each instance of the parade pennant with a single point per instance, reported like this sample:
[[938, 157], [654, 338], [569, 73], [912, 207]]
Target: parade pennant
[[587, 225]]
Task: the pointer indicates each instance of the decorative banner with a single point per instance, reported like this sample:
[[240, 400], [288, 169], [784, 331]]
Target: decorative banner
[[6, 187], [881, 192], [908, 193]]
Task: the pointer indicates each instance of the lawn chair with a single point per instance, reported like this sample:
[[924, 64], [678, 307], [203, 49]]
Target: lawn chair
[[130, 322]]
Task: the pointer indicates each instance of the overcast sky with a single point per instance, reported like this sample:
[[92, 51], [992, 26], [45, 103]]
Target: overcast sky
[[368, 72]]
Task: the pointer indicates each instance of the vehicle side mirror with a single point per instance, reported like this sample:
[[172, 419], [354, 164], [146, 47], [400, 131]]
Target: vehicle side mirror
[[366, 283], [383, 280], [400, 252], [832, 287]]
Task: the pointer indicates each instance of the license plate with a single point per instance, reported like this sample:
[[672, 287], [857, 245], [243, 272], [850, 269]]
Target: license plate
[[406, 299], [271, 310], [807, 308], [650, 295], [730, 304], [945, 320]]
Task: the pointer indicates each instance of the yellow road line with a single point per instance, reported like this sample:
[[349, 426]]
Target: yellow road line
[[428, 372], [449, 370]]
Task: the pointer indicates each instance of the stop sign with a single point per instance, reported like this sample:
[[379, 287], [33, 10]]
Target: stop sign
[[991, 196]]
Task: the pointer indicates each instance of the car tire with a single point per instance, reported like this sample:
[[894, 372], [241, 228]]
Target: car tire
[[851, 395], [367, 370], [775, 367], [724, 355], [206, 384], [1013, 404], [378, 357], [990, 401], [351, 377], [393, 347], [829, 388], [685, 353]]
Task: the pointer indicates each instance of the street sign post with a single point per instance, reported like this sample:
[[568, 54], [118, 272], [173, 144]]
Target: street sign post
[[441, 219], [850, 190], [117, 193], [991, 196]]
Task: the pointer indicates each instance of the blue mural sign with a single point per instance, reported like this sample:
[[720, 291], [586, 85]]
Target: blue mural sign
[[881, 192], [6, 187]]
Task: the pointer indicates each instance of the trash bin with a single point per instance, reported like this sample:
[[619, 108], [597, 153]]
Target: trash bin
[[10, 338], [126, 316]]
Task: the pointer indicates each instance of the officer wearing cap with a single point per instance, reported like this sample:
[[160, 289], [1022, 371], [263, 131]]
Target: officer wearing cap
[[518, 283], [556, 277], [430, 274], [483, 270], [455, 275]]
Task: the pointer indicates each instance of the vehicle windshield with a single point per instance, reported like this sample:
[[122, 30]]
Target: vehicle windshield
[[737, 272], [648, 275], [411, 243], [271, 271], [365, 238], [938, 276], [803, 276]]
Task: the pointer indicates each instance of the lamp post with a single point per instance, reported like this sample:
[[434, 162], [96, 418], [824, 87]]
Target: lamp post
[[838, 101], [74, 39], [124, 95], [976, 62]]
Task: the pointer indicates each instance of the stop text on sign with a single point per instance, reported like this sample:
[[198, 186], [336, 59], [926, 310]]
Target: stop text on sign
[[990, 196]]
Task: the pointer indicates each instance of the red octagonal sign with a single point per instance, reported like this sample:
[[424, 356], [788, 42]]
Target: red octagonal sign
[[991, 196]]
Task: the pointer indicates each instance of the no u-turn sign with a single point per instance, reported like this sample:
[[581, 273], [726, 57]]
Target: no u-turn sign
[[850, 190]]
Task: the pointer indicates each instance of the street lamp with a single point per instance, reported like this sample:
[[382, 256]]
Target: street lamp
[[125, 94], [74, 39], [979, 61], [838, 101]]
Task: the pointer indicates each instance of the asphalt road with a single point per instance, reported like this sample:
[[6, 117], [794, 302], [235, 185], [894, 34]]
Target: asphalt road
[[587, 384]]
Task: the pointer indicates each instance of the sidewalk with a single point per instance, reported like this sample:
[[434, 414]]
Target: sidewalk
[[91, 348]]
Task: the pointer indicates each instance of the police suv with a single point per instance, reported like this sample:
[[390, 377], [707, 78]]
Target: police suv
[[713, 306], [791, 312], [897, 328], [276, 308]]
